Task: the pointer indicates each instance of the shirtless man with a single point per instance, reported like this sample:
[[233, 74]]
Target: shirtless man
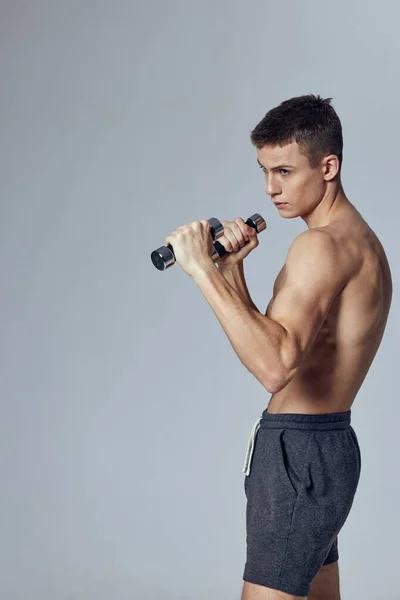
[[311, 350]]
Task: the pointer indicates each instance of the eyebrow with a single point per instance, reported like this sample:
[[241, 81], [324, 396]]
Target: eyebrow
[[278, 167]]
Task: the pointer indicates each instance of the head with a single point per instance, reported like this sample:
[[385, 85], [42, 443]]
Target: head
[[300, 147]]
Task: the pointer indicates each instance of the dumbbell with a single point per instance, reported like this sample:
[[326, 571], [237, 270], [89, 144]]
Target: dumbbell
[[163, 257]]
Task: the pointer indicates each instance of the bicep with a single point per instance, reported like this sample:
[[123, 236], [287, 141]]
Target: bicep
[[301, 313], [313, 280]]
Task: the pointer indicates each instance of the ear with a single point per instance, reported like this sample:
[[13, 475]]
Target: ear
[[330, 167]]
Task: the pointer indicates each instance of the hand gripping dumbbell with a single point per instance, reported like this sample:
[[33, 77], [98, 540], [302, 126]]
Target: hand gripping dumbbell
[[255, 221], [164, 257]]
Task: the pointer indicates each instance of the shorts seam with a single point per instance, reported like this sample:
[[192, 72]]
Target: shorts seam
[[294, 506]]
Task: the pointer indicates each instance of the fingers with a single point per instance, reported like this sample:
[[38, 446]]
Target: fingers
[[235, 234], [239, 225]]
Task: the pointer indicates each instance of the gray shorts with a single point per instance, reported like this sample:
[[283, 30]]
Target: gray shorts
[[302, 472]]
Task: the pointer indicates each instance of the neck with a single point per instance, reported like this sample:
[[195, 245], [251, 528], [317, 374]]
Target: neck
[[334, 201]]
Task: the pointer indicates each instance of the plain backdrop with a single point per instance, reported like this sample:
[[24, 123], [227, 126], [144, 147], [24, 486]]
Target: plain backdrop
[[125, 412]]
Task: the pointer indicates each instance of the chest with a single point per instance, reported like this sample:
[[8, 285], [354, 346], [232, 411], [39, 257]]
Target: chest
[[279, 281]]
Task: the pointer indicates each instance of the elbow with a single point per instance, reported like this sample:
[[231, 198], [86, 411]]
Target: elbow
[[277, 381], [274, 386], [273, 382], [285, 369]]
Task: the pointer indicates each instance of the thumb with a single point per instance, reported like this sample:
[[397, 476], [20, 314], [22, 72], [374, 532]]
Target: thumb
[[250, 231], [253, 237]]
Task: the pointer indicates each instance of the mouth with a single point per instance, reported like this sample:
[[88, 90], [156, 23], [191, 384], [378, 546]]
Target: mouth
[[279, 204]]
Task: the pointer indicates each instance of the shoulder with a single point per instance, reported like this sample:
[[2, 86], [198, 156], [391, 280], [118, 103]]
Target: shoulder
[[316, 254], [311, 240], [313, 244]]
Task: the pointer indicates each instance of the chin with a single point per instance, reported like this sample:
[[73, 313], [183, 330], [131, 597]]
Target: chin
[[290, 215]]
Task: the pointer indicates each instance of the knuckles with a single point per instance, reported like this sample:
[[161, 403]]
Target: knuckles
[[183, 230]]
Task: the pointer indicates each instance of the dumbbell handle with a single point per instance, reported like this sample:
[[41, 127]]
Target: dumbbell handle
[[255, 221], [164, 257]]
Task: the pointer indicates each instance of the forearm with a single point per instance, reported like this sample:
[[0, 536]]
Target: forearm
[[234, 275], [256, 339]]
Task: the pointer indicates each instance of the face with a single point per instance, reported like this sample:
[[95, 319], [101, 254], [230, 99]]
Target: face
[[291, 180]]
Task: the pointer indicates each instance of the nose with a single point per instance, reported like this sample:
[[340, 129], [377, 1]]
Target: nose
[[272, 188]]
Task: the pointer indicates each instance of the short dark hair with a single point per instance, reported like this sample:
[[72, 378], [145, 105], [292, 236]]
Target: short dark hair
[[308, 120]]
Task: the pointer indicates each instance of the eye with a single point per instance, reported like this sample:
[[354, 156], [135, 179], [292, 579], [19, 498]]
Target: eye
[[286, 172]]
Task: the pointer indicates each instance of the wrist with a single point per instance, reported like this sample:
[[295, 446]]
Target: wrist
[[203, 268], [236, 266]]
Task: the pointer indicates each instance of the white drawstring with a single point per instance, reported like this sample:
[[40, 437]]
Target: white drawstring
[[250, 447]]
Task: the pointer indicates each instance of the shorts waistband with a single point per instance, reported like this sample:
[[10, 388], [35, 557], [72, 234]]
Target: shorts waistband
[[338, 420]]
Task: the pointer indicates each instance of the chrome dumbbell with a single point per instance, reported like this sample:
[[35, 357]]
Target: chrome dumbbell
[[164, 257]]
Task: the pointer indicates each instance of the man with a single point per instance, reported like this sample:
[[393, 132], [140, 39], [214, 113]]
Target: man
[[311, 350]]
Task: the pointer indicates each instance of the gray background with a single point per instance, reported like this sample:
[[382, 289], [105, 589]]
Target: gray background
[[125, 413]]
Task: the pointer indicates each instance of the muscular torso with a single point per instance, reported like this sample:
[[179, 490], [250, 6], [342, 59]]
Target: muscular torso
[[334, 369]]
